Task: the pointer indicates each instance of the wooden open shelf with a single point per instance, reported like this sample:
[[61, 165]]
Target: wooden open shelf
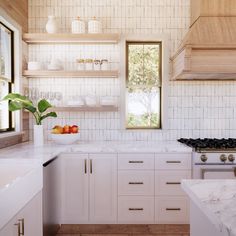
[[44, 38], [73, 74], [86, 109]]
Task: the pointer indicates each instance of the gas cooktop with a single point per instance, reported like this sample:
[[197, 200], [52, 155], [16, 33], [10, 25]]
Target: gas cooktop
[[209, 143]]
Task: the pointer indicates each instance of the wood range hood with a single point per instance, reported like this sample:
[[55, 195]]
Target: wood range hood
[[208, 51]]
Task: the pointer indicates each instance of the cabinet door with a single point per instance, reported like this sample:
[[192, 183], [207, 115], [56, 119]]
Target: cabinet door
[[10, 229], [74, 188], [103, 188], [32, 216]]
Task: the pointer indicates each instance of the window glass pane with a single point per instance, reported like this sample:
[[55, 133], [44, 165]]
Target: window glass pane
[[5, 53], [143, 85], [4, 113], [6, 76]]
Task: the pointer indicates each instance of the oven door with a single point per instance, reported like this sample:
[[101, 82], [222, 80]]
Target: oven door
[[214, 172]]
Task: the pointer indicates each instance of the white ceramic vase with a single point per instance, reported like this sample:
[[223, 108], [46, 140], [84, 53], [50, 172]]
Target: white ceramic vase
[[38, 135], [51, 26]]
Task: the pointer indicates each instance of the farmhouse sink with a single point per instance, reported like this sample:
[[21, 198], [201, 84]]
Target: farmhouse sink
[[20, 180]]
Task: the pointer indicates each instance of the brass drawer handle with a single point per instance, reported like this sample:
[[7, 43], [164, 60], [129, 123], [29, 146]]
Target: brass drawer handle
[[135, 182], [173, 183], [135, 161], [173, 162], [22, 221], [91, 166], [173, 209], [135, 209], [85, 166]]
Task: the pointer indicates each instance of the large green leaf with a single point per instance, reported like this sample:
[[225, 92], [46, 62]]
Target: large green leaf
[[30, 108], [43, 105], [15, 106], [50, 114], [18, 98]]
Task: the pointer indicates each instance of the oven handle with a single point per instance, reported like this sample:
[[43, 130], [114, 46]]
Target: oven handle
[[203, 170]]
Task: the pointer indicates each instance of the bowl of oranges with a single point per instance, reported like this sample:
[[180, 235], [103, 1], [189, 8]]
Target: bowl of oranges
[[65, 134]]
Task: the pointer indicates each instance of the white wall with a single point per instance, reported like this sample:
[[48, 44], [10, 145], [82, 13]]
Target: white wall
[[195, 109]]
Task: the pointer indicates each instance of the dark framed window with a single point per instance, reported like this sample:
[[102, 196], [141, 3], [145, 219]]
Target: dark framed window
[[6, 75], [143, 85]]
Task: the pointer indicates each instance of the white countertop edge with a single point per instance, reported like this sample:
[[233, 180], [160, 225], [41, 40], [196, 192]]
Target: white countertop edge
[[203, 207]]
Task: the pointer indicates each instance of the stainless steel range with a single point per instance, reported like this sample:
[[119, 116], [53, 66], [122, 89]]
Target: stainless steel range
[[213, 158]]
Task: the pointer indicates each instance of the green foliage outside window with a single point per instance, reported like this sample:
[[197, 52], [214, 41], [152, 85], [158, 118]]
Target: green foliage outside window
[[143, 85]]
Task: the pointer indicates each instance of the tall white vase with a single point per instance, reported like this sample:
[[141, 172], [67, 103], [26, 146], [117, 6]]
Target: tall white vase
[[38, 135], [51, 26]]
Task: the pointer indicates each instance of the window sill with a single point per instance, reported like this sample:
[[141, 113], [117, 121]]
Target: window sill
[[11, 134]]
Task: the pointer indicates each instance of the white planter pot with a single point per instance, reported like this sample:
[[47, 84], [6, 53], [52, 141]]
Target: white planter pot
[[51, 26], [38, 135]]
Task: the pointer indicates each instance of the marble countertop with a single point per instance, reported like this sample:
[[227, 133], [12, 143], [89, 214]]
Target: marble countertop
[[50, 150], [217, 199]]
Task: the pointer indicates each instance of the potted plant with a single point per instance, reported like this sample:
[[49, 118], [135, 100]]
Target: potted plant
[[18, 102]]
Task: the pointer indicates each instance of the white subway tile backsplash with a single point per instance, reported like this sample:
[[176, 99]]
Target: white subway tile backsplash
[[195, 108]]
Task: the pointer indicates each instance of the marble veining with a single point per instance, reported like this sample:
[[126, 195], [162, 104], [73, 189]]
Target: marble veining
[[50, 150], [217, 199]]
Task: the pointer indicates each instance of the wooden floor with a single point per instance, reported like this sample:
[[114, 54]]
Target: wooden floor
[[124, 230]]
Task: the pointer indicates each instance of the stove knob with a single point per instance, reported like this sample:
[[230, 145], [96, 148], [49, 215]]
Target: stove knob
[[231, 157], [223, 158], [203, 158]]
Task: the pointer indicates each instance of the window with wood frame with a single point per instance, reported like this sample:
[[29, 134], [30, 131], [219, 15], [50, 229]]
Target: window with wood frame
[[143, 85], [6, 76]]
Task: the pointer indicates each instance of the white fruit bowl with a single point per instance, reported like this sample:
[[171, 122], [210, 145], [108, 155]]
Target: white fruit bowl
[[65, 138]]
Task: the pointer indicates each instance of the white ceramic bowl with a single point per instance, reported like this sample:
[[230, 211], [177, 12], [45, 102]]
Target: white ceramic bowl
[[65, 138]]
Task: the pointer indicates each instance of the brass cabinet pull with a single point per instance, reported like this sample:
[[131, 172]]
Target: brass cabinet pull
[[85, 166], [91, 166], [135, 161], [173, 183], [173, 162], [22, 221], [173, 209], [135, 182], [135, 209], [18, 228]]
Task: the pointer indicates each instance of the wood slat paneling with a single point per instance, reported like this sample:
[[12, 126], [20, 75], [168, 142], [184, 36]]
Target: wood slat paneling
[[212, 8], [18, 10]]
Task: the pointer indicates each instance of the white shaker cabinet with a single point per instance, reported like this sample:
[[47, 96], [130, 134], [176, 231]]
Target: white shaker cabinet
[[75, 184], [28, 221], [11, 229], [89, 188], [103, 188], [136, 188], [171, 203]]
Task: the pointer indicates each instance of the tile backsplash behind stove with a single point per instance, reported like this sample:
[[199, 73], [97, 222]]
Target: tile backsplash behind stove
[[195, 108]]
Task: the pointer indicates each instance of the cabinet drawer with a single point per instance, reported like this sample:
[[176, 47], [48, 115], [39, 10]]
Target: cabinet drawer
[[136, 161], [136, 182], [135, 210], [171, 210], [169, 182], [173, 161]]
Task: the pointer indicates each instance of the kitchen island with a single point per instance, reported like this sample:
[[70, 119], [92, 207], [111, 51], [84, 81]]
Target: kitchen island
[[212, 207]]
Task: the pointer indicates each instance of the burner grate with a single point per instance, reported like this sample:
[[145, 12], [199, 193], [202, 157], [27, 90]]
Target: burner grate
[[209, 143]]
